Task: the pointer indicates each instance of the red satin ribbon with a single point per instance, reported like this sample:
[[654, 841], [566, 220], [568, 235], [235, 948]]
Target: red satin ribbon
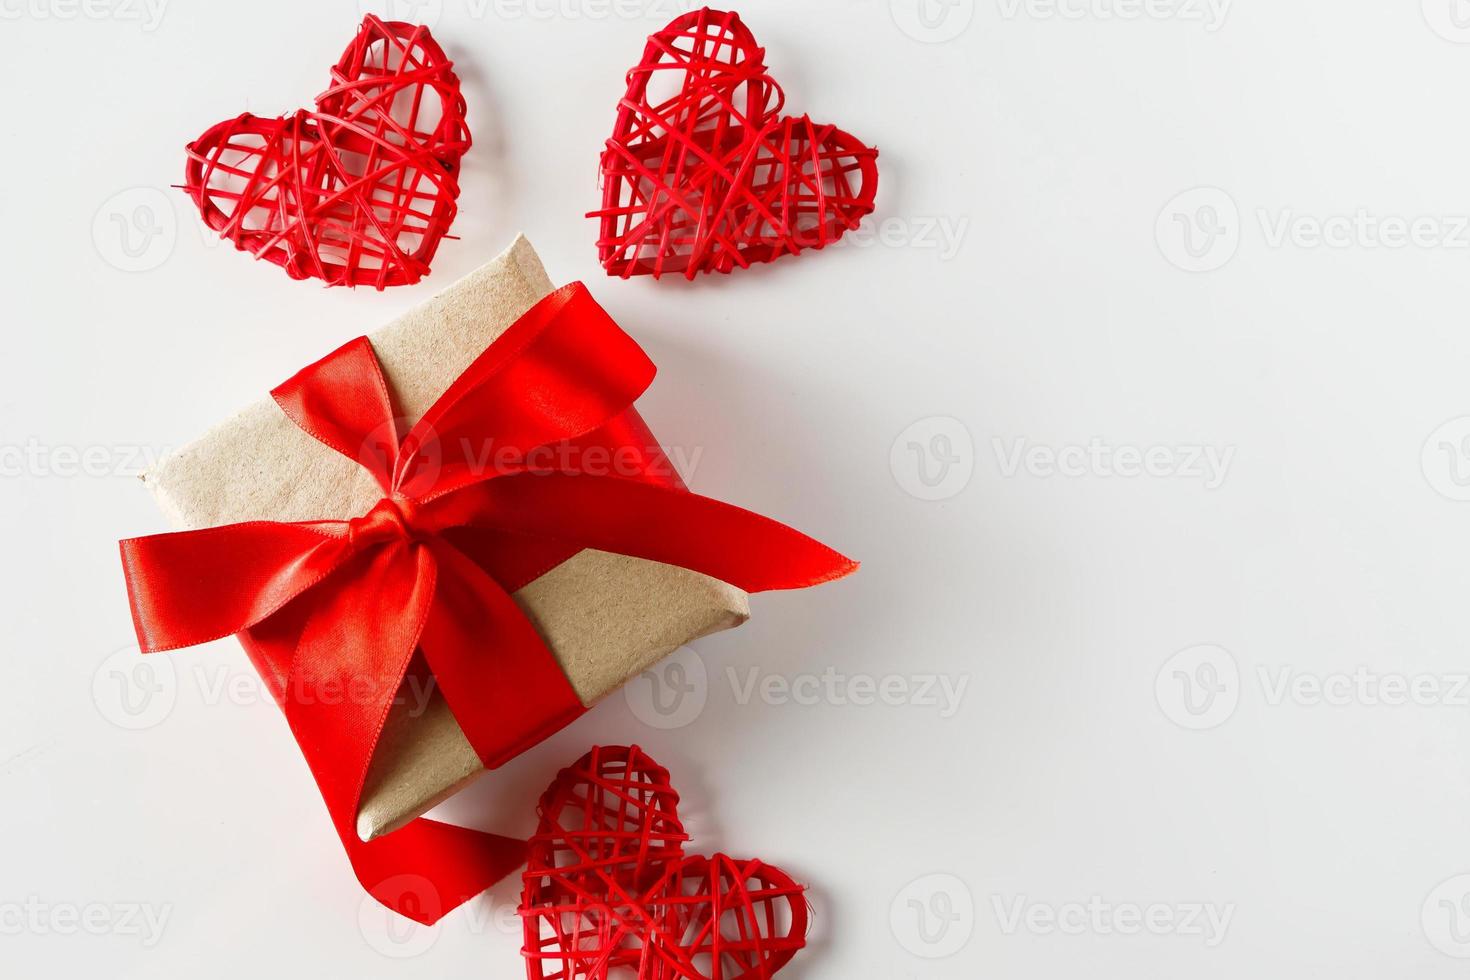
[[335, 614]]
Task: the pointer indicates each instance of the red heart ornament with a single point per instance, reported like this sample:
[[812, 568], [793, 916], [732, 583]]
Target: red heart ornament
[[610, 894], [703, 174], [359, 191]]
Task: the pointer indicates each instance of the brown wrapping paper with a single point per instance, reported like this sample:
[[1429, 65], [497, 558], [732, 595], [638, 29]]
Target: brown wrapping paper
[[606, 618]]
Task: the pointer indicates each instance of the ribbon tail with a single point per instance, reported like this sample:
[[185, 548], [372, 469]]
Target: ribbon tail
[[348, 668], [495, 671], [428, 868], [642, 520]]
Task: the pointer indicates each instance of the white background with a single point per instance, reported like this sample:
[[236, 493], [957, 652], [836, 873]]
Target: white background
[[1089, 761]]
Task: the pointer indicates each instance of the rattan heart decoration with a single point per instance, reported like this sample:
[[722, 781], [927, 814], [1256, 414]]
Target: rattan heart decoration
[[703, 173], [611, 895], [358, 191]]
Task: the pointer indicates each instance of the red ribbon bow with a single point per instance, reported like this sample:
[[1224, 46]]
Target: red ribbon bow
[[326, 607]]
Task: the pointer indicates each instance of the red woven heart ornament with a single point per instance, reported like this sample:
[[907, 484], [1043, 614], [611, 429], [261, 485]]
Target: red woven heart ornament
[[611, 895], [359, 191], [703, 174]]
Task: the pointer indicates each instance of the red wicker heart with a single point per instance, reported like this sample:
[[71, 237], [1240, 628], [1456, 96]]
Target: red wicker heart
[[610, 894], [359, 191], [703, 174]]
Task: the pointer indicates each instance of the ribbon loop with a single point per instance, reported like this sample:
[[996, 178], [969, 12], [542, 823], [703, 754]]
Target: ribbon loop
[[192, 587], [342, 402], [561, 372]]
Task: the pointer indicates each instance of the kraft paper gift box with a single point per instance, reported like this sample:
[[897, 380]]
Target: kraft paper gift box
[[606, 618]]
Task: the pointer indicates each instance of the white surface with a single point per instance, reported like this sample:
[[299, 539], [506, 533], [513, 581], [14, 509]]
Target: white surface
[[1332, 835]]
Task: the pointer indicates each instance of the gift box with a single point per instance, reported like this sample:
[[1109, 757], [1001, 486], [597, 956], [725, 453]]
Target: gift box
[[607, 618], [467, 504]]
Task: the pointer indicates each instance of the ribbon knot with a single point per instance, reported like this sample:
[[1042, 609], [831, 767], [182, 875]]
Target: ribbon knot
[[335, 617], [389, 520]]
